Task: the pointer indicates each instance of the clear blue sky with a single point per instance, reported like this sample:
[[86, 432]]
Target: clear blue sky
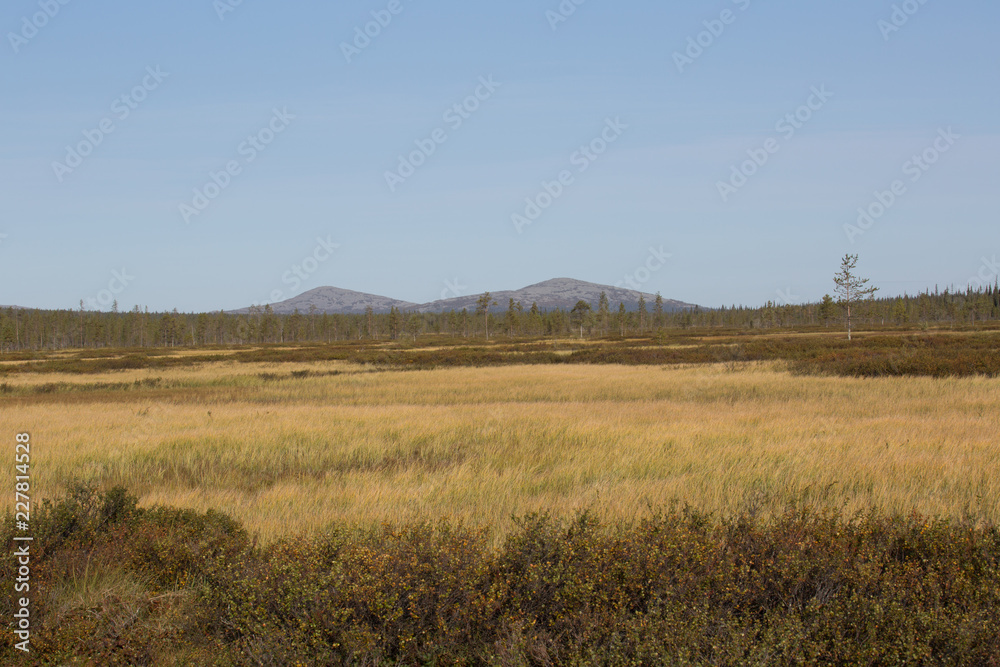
[[447, 228]]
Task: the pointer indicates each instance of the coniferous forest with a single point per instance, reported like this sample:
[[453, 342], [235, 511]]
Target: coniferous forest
[[30, 329]]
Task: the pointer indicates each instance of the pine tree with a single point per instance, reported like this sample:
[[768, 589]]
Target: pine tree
[[899, 314], [512, 310], [414, 326], [850, 288], [370, 321], [603, 312], [534, 319], [579, 313], [395, 319], [483, 308], [826, 309]]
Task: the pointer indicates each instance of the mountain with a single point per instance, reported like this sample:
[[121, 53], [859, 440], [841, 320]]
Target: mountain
[[560, 293], [336, 300]]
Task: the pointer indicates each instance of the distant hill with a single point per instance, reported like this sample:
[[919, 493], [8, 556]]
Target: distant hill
[[558, 293], [561, 293], [336, 300]]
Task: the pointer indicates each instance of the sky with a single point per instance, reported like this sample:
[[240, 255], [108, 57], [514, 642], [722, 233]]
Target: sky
[[212, 154]]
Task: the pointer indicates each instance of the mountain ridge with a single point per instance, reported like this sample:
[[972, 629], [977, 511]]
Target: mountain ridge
[[335, 300], [552, 294]]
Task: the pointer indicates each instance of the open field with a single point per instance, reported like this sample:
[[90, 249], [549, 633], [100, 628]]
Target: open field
[[291, 447], [718, 499]]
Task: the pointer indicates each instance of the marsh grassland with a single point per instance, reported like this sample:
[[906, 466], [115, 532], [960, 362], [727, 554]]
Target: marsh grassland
[[764, 500], [287, 448]]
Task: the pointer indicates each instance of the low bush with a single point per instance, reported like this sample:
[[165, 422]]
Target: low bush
[[115, 584], [956, 353]]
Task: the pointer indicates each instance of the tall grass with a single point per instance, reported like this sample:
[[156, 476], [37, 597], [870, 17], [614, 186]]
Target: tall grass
[[300, 446]]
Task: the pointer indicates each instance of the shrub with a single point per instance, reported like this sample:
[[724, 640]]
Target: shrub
[[121, 585]]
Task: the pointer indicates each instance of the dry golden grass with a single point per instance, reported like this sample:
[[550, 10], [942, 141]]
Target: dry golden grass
[[287, 454], [196, 375]]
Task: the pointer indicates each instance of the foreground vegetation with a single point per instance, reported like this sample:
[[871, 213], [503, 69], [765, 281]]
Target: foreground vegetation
[[117, 585], [692, 498], [298, 445]]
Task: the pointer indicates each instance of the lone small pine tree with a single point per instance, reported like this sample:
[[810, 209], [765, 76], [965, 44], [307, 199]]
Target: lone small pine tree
[[851, 288]]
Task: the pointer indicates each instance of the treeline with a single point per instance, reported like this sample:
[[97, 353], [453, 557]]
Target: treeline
[[23, 329]]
